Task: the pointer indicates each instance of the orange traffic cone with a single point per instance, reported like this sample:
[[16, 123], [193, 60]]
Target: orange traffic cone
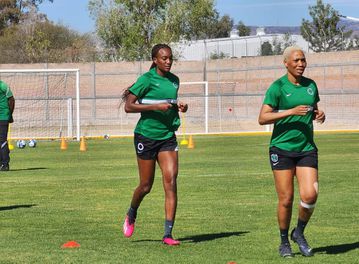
[[63, 145], [190, 142], [83, 144], [71, 244]]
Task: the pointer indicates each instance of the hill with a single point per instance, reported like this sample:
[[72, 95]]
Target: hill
[[349, 25]]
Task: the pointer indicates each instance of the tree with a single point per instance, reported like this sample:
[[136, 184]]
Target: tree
[[324, 33], [129, 29], [266, 49], [222, 27], [44, 42], [12, 12], [243, 30]]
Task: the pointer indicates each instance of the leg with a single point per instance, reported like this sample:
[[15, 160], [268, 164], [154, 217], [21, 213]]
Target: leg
[[146, 170], [4, 146], [168, 162], [308, 189], [147, 173], [285, 191]]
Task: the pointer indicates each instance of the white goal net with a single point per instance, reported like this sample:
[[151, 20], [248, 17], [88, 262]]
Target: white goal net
[[46, 103]]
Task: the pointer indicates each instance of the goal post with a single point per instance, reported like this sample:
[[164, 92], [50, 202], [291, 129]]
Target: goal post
[[47, 102], [196, 94]]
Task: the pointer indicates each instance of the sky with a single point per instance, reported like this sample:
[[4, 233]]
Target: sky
[[75, 14]]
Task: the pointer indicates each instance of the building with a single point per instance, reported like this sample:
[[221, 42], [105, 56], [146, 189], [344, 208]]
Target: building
[[234, 46]]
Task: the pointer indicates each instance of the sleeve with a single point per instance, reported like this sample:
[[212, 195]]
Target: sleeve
[[317, 99], [272, 96], [140, 87], [6, 90]]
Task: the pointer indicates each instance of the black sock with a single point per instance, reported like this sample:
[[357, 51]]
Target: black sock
[[301, 226], [168, 228], [284, 236], [132, 214]]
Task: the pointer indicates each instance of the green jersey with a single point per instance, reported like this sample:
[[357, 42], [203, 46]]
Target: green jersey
[[153, 88], [293, 133], [5, 93]]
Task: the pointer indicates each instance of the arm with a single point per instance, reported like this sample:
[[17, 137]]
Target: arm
[[11, 102], [267, 114], [319, 115], [132, 107]]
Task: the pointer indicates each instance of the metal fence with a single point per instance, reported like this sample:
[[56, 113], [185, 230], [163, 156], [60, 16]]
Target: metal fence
[[230, 102]]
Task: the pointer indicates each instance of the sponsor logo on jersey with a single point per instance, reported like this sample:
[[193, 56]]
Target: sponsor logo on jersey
[[175, 85]]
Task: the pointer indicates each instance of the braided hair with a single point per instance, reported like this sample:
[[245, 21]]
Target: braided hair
[[156, 48]]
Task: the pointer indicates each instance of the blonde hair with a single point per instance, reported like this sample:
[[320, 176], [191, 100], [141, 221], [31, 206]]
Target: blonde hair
[[289, 50]]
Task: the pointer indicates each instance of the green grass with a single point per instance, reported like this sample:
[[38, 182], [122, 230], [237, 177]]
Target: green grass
[[226, 210]]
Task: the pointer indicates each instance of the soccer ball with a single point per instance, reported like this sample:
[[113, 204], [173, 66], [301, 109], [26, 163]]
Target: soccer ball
[[21, 144], [32, 143], [106, 136]]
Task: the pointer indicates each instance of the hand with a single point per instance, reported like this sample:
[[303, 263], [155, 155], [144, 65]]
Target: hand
[[300, 110], [163, 107], [182, 107], [319, 116]]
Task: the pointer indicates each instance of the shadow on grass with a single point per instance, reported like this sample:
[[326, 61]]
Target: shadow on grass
[[28, 169], [208, 237], [18, 206], [337, 249], [200, 238]]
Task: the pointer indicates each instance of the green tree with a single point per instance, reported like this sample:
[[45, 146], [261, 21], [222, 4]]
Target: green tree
[[279, 45], [243, 30], [44, 42], [324, 33], [266, 49], [13, 11], [129, 29], [222, 27]]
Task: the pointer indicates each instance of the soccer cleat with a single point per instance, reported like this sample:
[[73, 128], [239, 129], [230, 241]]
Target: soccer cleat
[[285, 250], [4, 167], [304, 248], [128, 228], [170, 241]]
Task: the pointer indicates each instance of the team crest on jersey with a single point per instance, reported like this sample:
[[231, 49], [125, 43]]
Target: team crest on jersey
[[175, 85], [310, 91], [274, 157]]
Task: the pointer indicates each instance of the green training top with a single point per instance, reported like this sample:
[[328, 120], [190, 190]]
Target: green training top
[[293, 133], [153, 88], [5, 93]]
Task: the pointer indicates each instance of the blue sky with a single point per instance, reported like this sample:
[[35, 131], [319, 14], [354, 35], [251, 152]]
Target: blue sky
[[74, 13]]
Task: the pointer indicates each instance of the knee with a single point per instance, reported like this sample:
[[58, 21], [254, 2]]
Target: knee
[[309, 198], [286, 201], [170, 182], [145, 188]]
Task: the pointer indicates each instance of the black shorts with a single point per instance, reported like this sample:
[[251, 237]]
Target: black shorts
[[148, 149], [283, 160]]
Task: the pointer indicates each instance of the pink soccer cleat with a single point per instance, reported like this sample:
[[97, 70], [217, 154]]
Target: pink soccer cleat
[[128, 228], [170, 241]]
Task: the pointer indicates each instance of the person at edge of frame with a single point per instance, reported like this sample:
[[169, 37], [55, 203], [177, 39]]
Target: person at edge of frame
[[7, 106], [154, 95], [291, 104]]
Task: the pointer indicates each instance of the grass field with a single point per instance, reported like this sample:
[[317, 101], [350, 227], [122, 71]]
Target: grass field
[[226, 211]]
